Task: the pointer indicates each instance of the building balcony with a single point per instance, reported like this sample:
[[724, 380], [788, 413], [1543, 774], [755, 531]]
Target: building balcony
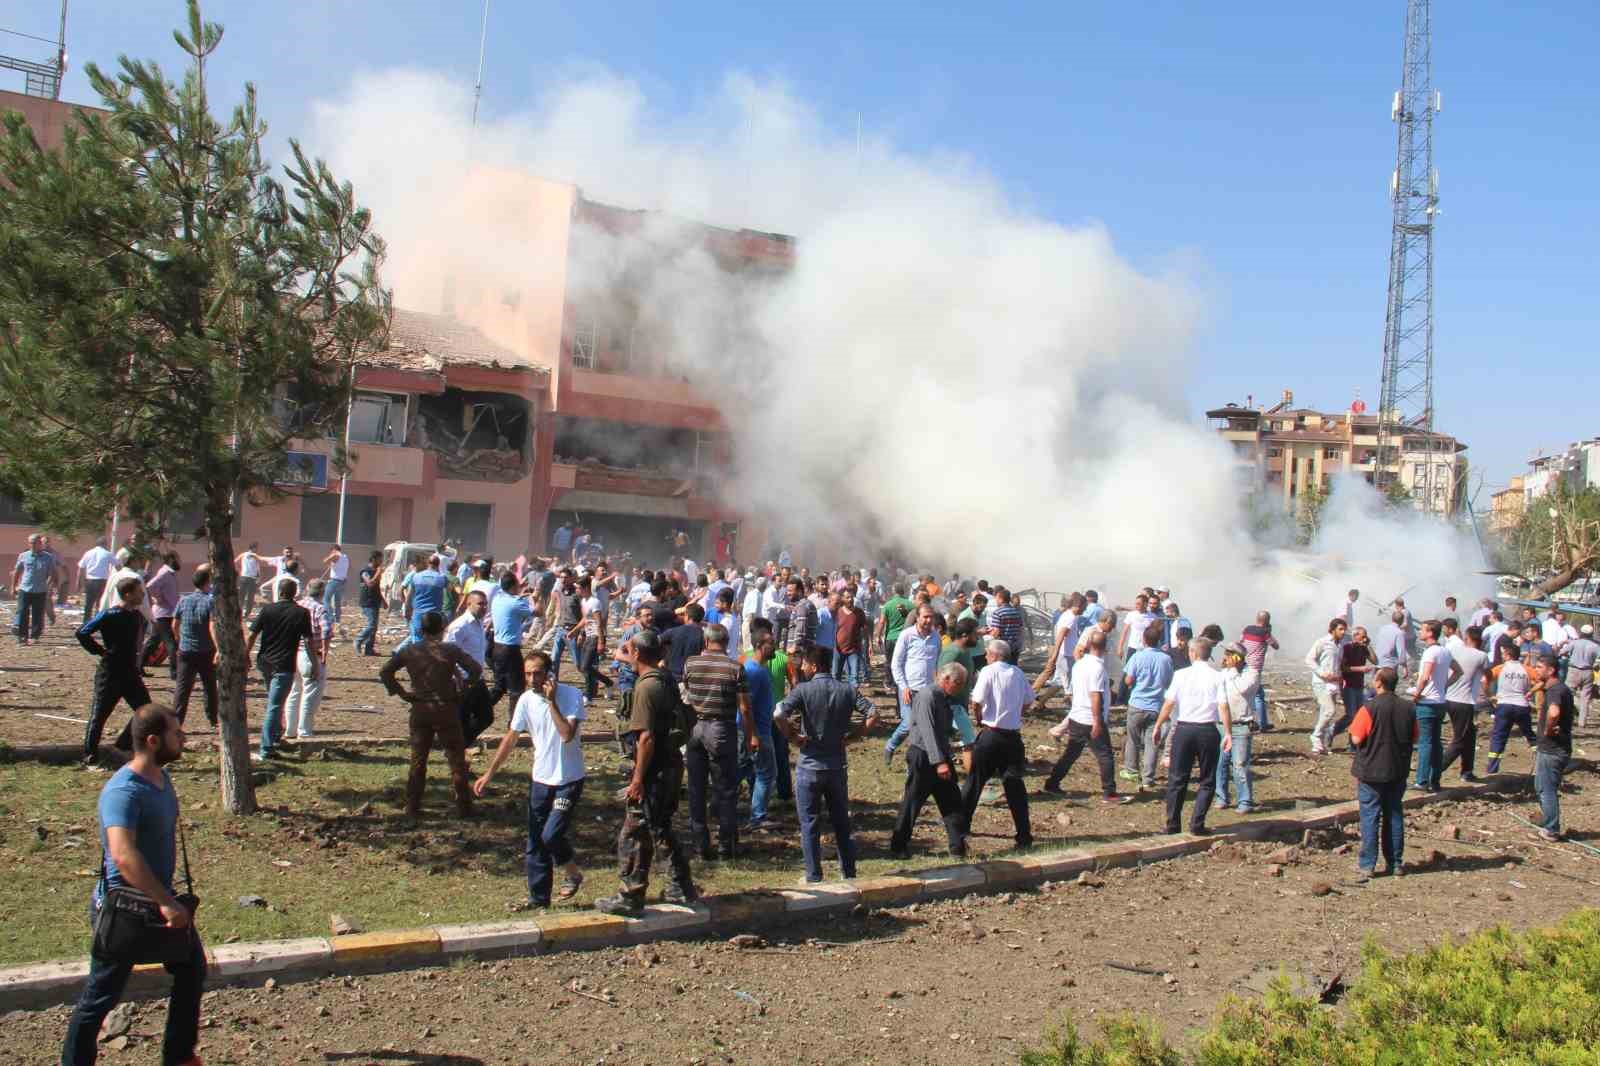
[[375, 469]]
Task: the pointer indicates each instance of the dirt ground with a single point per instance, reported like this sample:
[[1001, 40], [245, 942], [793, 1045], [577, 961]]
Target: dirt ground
[[971, 980]]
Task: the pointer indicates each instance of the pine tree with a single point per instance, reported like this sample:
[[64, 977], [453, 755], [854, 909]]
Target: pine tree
[[172, 317]]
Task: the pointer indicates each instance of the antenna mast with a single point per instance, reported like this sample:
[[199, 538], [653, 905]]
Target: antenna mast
[[483, 40], [41, 79], [1406, 397]]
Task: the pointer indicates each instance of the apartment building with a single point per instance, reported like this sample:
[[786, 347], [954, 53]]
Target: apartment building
[[1574, 468], [1284, 451], [1507, 506]]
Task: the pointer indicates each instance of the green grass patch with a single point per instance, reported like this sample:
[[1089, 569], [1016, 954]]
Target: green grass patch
[[1500, 997]]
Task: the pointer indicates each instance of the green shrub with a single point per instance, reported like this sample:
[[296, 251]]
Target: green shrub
[[1499, 998]]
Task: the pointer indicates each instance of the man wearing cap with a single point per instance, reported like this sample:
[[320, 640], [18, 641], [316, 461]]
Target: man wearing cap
[[1582, 655]]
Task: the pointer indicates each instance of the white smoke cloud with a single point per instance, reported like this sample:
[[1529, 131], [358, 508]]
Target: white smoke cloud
[[997, 392]]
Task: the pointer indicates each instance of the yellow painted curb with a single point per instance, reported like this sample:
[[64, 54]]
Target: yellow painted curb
[[386, 944], [888, 891], [588, 928], [1055, 865]]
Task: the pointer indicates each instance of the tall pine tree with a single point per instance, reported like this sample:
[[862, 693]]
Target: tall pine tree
[[172, 317]]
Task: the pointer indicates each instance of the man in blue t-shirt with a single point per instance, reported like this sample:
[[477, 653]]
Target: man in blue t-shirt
[[138, 835], [197, 647], [425, 591], [510, 615], [760, 767], [1147, 675], [31, 578]]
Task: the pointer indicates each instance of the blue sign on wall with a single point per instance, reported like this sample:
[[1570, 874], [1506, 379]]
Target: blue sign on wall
[[306, 470]]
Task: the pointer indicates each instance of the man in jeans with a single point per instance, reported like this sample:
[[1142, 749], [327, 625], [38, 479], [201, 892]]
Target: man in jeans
[[1383, 732], [1147, 675], [117, 677], [197, 647], [549, 713], [1241, 683], [912, 662], [1553, 750], [281, 627], [1436, 671], [850, 641], [371, 601], [139, 829], [31, 578], [1326, 681], [930, 764], [338, 564], [825, 710], [760, 767]]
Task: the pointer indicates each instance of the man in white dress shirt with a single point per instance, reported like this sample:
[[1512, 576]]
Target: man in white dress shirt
[[999, 696]]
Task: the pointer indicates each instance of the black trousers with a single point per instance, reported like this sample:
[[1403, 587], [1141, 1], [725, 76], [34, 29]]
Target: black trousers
[[161, 633], [93, 589], [113, 682], [192, 665], [1463, 736], [103, 991], [712, 757], [999, 752], [1080, 736], [647, 826], [923, 781], [1192, 742], [506, 662]]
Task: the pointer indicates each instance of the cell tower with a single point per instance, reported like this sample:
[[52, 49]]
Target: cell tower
[[41, 79], [1406, 398]]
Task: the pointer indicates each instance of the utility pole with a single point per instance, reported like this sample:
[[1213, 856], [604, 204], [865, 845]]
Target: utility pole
[[41, 79], [1406, 397]]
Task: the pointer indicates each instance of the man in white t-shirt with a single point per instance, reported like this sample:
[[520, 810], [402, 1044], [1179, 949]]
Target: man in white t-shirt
[[248, 564], [1196, 700], [1511, 708], [1088, 725], [338, 569], [1435, 672], [1347, 609], [1461, 699], [549, 714], [93, 570]]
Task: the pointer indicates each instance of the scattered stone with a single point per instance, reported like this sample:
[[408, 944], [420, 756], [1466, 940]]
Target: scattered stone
[[1503, 897], [119, 1021], [858, 911], [343, 926], [1432, 857], [119, 1043], [1343, 849], [1008, 897], [1285, 856], [1194, 964], [1169, 979], [1453, 832], [322, 1012], [1227, 851], [427, 1031], [1088, 880], [1063, 819], [647, 955], [747, 940], [271, 984], [1321, 888], [1274, 870], [252, 901]]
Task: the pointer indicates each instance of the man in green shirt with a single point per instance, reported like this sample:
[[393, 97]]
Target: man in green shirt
[[893, 619], [963, 649]]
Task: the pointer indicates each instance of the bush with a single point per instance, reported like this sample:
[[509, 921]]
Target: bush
[[1499, 997]]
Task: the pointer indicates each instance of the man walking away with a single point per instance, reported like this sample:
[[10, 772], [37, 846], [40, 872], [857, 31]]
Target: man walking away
[[509, 617], [1148, 675], [1326, 680], [1000, 694], [930, 769], [1197, 701], [338, 564], [1461, 701], [162, 591], [310, 669], [249, 564], [1435, 674], [715, 686], [371, 601], [1512, 685], [825, 710], [93, 570], [1256, 640], [1582, 656], [425, 590], [139, 841], [117, 677], [655, 729], [197, 647], [549, 714], [435, 699], [1553, 751], [282, 627], [1383, 733], [31, 579], [1088, 723]]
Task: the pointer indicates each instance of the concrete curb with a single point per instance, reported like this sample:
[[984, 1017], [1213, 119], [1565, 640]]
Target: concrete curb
[[49, 983], [64, 753]]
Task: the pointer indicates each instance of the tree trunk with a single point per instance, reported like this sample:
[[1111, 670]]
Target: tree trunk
[[1566, 576], [238, 787]]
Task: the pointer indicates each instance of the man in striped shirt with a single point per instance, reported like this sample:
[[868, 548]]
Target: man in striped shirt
[[1006, 623], [714, 685]]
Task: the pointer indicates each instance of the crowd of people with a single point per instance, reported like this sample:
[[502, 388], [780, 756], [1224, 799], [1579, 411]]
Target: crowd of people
[[760, 677]]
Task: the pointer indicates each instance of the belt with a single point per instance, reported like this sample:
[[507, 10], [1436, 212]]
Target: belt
[[1008, 732], [714, 717]]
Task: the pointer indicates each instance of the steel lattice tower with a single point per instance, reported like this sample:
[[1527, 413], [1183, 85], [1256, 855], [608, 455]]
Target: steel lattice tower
[[1406, 396]]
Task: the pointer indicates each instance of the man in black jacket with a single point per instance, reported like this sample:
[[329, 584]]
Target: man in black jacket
[[930, 770], [1384, 733]]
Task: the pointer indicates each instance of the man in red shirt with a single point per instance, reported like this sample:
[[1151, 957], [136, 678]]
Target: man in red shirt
[[850, 641]]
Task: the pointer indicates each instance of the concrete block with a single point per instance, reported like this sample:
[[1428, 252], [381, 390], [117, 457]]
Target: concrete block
[[1115, 854], [45, 981], [745, 908], [384, 945], [831, 896], [488, 936], [945, 881], [1156, 849], [270, 956], [586, 929], [889, 891], [670, 919], [1060, 865], [1008, 873]]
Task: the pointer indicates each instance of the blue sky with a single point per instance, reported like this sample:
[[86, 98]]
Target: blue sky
[[1249, 141]]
